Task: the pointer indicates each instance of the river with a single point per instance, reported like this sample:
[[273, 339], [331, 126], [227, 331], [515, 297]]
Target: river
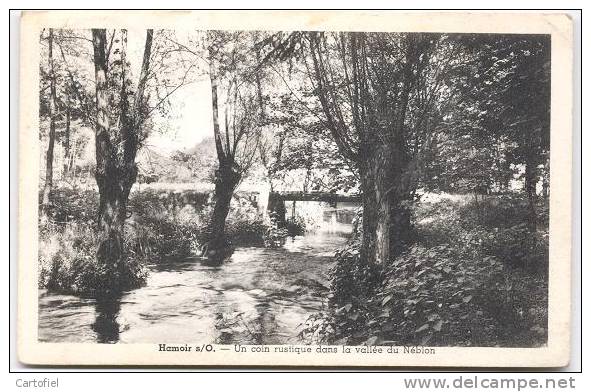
[[259, 296]]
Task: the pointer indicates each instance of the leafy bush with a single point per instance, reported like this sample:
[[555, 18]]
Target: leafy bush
[[67, 263], [471, 278], [275, 236], [517, 246], [244, 225], [158, 238], [430, 293], [353, 280], [500, 211], [495, 226], [72, 205]]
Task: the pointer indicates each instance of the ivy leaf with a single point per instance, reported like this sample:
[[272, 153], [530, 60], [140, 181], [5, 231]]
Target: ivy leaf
[[426, 339], [438, 325], [433, 317], [354, 316], [386, 300]]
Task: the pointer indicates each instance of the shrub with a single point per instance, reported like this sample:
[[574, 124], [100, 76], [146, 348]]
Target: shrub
[[274, 236], [353, 280], [295, 225], [244, 225], [517, 246], [159, 239], [72, 205], [247, 232], [474, 276], [429, 294], [500, 211], [495, 226], [68, 264]]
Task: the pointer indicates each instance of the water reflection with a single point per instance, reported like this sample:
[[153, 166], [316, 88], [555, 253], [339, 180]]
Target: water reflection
[[106, 325], [260, 296]]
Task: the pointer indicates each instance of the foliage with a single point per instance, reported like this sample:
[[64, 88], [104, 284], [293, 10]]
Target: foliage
[[200, 160], [159, 238], [244, 225], [68, 263], [71, 204], [353, 280], [467, 281], [159, 229], [296, 225], [517, 246], [275, 234], [300, 152], [497, 116]]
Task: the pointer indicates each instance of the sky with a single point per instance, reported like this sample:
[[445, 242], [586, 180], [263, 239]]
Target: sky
[[191, 120]]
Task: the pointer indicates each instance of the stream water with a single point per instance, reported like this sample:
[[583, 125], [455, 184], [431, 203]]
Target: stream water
[[259, 296]]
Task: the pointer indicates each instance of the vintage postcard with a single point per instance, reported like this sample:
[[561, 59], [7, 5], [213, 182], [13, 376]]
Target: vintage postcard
[[295, 188]]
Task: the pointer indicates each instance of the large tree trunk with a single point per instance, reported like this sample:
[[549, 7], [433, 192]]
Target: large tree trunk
[[227, 178], [370, 211], [52, 120], [116, 149], [114, 192], [385, 193], [111, 214]]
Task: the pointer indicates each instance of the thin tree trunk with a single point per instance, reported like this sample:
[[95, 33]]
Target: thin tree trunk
[[531, 179], [545, 181], [226, 179], [67, 159], [52, 120]]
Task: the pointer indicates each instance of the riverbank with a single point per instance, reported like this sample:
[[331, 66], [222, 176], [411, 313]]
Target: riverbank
[[475, 276], [160, 228]]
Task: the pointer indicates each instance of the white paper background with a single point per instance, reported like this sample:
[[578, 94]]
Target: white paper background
[[258, 381]]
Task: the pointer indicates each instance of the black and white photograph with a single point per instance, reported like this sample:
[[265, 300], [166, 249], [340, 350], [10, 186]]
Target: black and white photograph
[[289, 188]]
